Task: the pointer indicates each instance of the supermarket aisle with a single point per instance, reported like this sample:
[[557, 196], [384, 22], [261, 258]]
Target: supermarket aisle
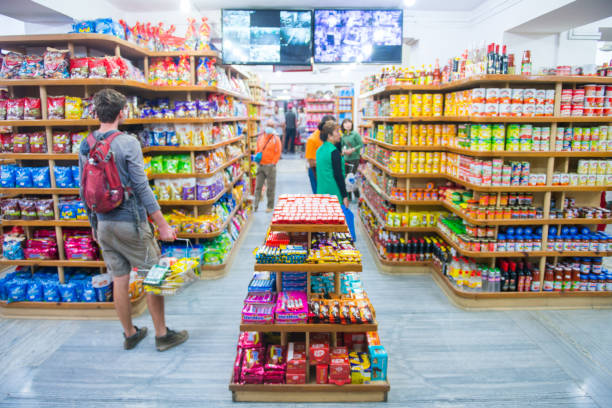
[[439, 355]]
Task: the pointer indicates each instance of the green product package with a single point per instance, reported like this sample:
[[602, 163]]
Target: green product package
[[157, 164]]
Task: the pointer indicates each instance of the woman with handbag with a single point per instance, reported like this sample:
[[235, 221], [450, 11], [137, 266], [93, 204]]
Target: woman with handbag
[[268, 152]]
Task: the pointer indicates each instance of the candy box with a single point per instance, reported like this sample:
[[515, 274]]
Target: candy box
[[355, 341], [296, 362], [361, 370], [322, 370], [319, 353], [379, 361], [339, 371], [296, 378], [372, 338]]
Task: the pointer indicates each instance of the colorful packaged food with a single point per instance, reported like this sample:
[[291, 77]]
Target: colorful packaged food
[[21, 143], [56, 64], [38, 142], [31, 108], [115, 67], [56, 106], [97, 67], [61, 142], [79, 68], [14, 109], [11, 65], [73, 108], [32, 67], [3, 109]]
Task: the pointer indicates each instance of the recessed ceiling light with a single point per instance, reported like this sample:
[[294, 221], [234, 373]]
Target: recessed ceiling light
[[409, 3]]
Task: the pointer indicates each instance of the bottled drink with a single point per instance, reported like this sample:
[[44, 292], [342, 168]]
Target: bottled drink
[[526, 63]]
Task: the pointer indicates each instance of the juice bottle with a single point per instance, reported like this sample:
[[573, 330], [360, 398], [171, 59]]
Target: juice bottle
[[436, 73], [526, 63]]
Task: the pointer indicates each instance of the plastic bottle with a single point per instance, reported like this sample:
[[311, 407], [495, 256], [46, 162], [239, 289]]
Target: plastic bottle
[[526, 63], [504, 61]]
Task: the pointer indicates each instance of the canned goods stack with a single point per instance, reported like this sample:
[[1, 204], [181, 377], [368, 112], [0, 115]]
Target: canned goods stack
[[577, 274], [501, 102], [414, 218], [591, 100], [421, 105], [398, 104], [584, 139], [432, 135], [492, 172], [427, 162]]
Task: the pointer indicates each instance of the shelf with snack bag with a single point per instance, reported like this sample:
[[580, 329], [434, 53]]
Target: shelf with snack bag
[[196, 175], [320, 310]]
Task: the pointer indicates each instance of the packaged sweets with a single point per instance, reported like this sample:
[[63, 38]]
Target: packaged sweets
[[87, 108], [76, 139], [28, 209], [40, 177], [2, 109], [73, 107], [44, 209], [79, 68], [61, 143], [56, 107], [31, 108], [115, 67], [7, 142], [56, 64], [63, 177], [97, 68], [11, 65], [38, 142], [7, 175], [21, 143], [14, 109], [183, 71], [32, 67], [23, 177]]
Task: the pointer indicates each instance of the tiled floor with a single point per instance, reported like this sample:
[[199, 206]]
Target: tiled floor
[[439, 355]]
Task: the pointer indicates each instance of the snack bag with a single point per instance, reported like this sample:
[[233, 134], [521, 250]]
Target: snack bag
[[40, 177], [183, 71], [3, 109], [21, 143], [157, 165], [97, 67], [10, 209], [50, 292], [38, 142], [73, 107], [32, 67], [86, 26], [44, 209], [7, 175], [76, 139], [31, 108], [56, 107], [6, 139], [61, 143], [88, 108], [23, 177], [79, 68], [11, 65], [14, 109], [184, 164], [67, 211], [56, 64], [63, 177], [76, 175], [28, 209], [115, 67]]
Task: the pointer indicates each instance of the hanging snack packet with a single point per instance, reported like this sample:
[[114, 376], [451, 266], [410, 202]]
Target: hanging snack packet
[[97, 68], [11, 65], [61, 143], [56, 107], [14, 109], [38, 142], [40, 177], [32, 67], [31, 108], [23, 177], [73, 107], [21, 143], [79, 68], [56, 64]]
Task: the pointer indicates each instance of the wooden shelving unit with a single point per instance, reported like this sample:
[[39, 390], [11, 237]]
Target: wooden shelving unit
[[309, 392], [85, 88], [548, 162]]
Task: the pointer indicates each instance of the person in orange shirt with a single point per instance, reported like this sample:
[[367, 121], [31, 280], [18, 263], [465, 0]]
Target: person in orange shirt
[[312, 145], [270, 146]]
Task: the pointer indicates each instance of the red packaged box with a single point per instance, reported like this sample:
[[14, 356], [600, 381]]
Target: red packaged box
[[319, 353], [320, 338], [338, 352], [372, 338], [339, 371], [322, 373], [296, 360], [355, 341], [296, 378]]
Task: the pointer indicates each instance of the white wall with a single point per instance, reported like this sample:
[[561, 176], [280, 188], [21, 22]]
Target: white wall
[[10, 26]]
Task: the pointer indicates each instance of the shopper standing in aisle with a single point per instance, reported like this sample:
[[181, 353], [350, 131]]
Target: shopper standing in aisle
[[312, 145], [290, 130], [330, 164], [270, 147], [351, 148], [123, 233], [279, 123], [301, 124]]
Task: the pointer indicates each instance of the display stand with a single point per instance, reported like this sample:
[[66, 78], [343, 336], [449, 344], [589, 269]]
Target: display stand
[[88, 44], [547, 162], [309, 392]]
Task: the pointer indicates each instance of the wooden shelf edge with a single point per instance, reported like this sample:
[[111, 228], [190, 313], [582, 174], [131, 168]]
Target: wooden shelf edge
[[309, 328], [340, 267], [382, 386], [309, 227]]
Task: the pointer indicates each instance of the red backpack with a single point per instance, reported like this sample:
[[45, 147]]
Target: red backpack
[[102, 188]]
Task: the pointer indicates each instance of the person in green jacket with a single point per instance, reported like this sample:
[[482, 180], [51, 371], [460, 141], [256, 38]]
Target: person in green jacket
[[330, 164], [351, 148]]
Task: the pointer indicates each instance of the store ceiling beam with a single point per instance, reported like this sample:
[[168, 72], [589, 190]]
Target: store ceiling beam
[[572, 15]]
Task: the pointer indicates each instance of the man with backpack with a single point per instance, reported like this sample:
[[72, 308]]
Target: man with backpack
[[268, 153], [118, 199]]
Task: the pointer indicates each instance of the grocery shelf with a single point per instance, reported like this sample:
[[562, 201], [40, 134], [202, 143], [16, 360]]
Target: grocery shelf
[[308, 227], [492, 119], [55, 262], [310, 328], [163, 149], [320, 111], [469, 152], [61, 191], [47, 223], [386, 227], [95, 122], [324, 267], [195, 175], [181, 203], [215, 233], [39, 156]]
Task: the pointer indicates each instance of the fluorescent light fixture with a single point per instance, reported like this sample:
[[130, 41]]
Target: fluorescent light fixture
[[409, 3]]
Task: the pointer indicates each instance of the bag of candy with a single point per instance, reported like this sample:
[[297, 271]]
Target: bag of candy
[[3, 109], [61, 143], [73, 107], [44, 209], [11, 65], [189, 189], [17, 290], [158, 136], [40, 177], [68, 292], [76, 175], [31, 108], [88, 293], [23, 177], [97, 68], [63, 177], [115, 67], [104, 26], [67, 210], [7, 175], [50, 292], [183, 71], [32, 67], [28, 209], [14, 109], [157, 164], [76, 139], [85, 26], [79, 68], [21, 143], [6, 140], [10, 209], [38, 142], [35, 292], [56, 107], [56, 64], [184, 164]]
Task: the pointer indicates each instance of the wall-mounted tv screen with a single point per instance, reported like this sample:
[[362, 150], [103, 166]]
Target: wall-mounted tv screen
[[368, 36], [281, 37]]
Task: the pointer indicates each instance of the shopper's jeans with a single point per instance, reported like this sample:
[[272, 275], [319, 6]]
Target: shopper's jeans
[[290, 141], [313, 179], [265, 173]]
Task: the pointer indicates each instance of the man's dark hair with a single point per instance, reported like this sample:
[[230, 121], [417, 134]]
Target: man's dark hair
[[324, 119], [328, 130], [108, 103]]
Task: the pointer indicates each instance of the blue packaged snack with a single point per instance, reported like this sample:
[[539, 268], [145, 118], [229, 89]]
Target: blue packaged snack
[[17, 290], [158, 136], [35, 292], [86, 26], [104, 26], [63, 177], [89, 293], [23, 177], [68, 211], [118, 30], [76, 176], [68, 292], [81, 211], [40, 177], [12, 249], [7, 175], [50, 292], [3, 283], [104, 294]]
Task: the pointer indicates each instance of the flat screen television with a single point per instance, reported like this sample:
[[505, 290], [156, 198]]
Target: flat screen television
[[264, 37], [358, 35]]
